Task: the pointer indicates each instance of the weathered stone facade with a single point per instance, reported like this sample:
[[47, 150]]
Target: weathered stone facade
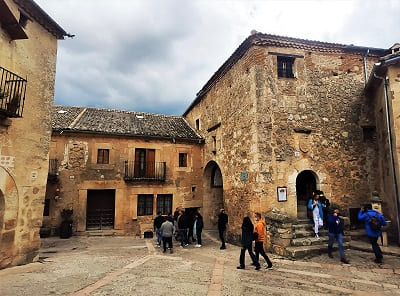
[[271, 131], [80, 174], [29, 50]]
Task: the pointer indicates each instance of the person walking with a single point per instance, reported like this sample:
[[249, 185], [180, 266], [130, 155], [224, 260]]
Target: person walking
[[316, 207], [198, 228], [335, 231], [259, 242], [247, 243], [167, 230], [182, 229], [373, 226], [158, 221], [222, 221]]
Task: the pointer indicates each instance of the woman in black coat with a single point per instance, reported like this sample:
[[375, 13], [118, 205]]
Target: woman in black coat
[[247, 243], [198, 225]]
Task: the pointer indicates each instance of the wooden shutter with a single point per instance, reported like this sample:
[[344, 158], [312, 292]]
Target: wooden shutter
[[150, 163]]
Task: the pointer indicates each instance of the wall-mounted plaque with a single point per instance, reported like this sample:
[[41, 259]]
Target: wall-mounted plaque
[[282, 193]]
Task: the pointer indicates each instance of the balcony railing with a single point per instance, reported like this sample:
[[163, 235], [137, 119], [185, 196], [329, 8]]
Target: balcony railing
[[12, 93], [144, 171]]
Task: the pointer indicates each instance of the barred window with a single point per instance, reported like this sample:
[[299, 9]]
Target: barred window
[[285, 67], [103, 156], [164, 203], [145, 205], [182, 159]]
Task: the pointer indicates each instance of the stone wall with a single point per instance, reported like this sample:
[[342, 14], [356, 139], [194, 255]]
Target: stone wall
[[271, 129], [79, 173], [24, 143]]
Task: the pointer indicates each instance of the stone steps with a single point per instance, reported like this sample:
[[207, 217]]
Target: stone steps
[[304, 251], [308, 241]]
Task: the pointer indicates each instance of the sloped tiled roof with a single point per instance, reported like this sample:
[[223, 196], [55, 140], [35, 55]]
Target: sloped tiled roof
[[122, 123]]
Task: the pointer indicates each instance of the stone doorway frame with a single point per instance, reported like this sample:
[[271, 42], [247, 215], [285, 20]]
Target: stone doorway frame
[[303, 214], [213, 196]]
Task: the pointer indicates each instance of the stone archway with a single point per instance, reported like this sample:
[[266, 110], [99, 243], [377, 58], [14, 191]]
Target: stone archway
[[213, 198], [8, 217], [306, 184]]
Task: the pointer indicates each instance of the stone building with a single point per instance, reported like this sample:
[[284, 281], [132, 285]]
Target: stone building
[[117, 169], [28, 52], [382, 120], [281, 118]]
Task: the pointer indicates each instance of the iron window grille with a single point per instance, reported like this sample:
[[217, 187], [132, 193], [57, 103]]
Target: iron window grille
[[12, 93], [285, 67], [164, 203], [145, 205], [182, 159]]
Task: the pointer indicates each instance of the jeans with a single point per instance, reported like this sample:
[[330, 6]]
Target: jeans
[[183, 236], [259, 249], [159, 236], [375, 247], [253, 257], [339, 239], [165, 241], [221, 236]]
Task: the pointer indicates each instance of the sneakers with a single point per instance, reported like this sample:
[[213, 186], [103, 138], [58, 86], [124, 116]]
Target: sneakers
[[269, 267], [222, 248], [345, 261], [258, 267], [198, 246], [240, 267], [317, 236]]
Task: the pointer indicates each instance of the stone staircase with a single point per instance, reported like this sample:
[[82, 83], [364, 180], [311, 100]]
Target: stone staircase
[[303, 242]]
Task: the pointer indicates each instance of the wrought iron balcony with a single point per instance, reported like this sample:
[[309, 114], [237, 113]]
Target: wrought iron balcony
[[12, 93], [144, 171]]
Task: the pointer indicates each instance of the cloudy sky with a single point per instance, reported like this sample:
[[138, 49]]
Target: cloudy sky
[[154, 56]]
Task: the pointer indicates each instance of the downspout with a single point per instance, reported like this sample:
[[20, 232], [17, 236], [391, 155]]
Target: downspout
[[389, 131], [365, 66]]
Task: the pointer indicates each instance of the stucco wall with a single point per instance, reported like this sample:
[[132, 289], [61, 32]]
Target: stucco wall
[[24, 144], [79, 172]]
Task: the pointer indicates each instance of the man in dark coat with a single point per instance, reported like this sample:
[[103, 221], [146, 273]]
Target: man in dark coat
[[158, 221], [222, 221], [335, 231]]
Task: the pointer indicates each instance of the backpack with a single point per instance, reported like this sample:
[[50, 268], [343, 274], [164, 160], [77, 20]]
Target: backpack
[[374, 222]]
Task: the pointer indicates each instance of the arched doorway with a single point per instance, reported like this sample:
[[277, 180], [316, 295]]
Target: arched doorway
[[306, 183], [213, 198]]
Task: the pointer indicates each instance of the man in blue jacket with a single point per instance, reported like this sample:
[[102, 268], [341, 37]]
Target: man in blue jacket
[[366, 214], [335, 231]]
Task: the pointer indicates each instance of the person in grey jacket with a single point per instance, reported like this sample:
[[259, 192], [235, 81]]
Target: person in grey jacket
[[167, 230]]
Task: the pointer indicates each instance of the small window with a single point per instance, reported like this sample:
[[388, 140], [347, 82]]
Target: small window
[[103, 156], [182, 159], [46, 210], [145, 205], [198, 124], [285, 67], [23, 20], [164, 203]]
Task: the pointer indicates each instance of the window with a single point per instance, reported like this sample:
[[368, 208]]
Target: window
[[285, 67], [182, 159], [145, 205], [216, 177], [198, 124], [103, 156], [46, 210], [164, 203], [23, 20], [145, 163]]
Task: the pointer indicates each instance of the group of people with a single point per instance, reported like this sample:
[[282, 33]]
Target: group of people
[[184, 226], [373, 220]]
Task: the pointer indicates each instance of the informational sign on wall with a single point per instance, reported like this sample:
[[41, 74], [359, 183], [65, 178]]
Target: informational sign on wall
[[282, 193], [244, 176]]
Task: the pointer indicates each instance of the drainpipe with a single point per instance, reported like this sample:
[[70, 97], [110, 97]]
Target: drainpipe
[[389, 131], [365, 66]]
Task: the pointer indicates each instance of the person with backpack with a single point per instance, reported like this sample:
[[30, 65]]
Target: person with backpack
[[373, 226]]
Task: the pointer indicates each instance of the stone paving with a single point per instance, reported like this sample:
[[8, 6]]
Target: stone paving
[[129, 266]]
